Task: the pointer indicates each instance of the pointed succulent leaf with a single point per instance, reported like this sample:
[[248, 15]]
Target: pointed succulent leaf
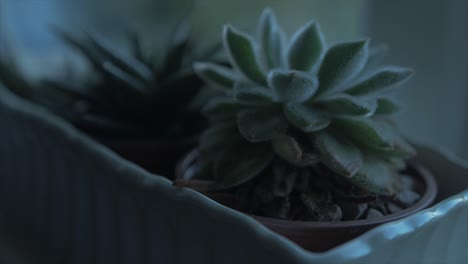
[[251, 93], [292, 86], [263, 124], [341, 63], [79, 45], [305, 118], [401, 148], [382, 79], [375, 176], [289, 149], [242, 53], [230, 172], [219, 136], [364, 131], [376, 56], [69, 89], [132, 85], [202, 171], [106, 60], [182, 31], [271, 40], [396, 163], [128, 64], [135, 45], [386, 106], [180, 44], [217, 75], [338, 155], [343, 104], [306, 48]]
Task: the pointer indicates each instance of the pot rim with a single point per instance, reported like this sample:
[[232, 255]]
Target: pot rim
[[427, 198]]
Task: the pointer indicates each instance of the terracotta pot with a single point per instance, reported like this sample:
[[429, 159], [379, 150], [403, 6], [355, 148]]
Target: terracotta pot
[[317, 236], [156, 156]]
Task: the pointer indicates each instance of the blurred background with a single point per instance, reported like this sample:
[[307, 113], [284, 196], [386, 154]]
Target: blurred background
[[429, 36]]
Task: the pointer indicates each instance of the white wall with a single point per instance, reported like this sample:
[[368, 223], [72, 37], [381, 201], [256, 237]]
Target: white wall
[[30, 20], [430, 36]]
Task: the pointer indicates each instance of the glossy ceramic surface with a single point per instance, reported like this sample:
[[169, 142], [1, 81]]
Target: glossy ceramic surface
[[67, 199]]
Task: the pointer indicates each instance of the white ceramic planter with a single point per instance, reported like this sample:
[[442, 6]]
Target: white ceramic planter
[[67, 199]]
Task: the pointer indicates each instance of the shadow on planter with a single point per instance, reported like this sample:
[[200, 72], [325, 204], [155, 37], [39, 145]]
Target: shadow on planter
[[156, 156]]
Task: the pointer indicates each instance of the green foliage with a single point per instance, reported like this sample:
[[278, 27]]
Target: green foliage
[[307, 103], [272, 41], [241, 51], [290, 149], [230, 172], [306, 48], [134, 95], [339, 155], [292, 86], [216, 75], [342, 62], [261, 124]]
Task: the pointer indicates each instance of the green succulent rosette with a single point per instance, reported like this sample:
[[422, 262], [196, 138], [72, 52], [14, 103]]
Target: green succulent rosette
[[305, 102]]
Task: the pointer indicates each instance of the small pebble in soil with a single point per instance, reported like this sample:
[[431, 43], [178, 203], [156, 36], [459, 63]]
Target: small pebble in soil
[[393, 208], [408, 197], [320, 208], [373, 213], [352, 211], [380, 206]]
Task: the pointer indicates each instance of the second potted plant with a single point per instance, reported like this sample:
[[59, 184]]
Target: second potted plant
[[141, 108], [302, 137]]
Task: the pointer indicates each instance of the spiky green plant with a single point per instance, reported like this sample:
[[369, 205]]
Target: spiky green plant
[[302, 103], [132, 96]]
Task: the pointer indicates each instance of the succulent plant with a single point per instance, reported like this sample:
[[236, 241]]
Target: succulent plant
[[301, 104], [132, 96]]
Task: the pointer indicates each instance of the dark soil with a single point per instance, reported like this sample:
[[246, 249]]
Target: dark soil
[[316, 194]]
